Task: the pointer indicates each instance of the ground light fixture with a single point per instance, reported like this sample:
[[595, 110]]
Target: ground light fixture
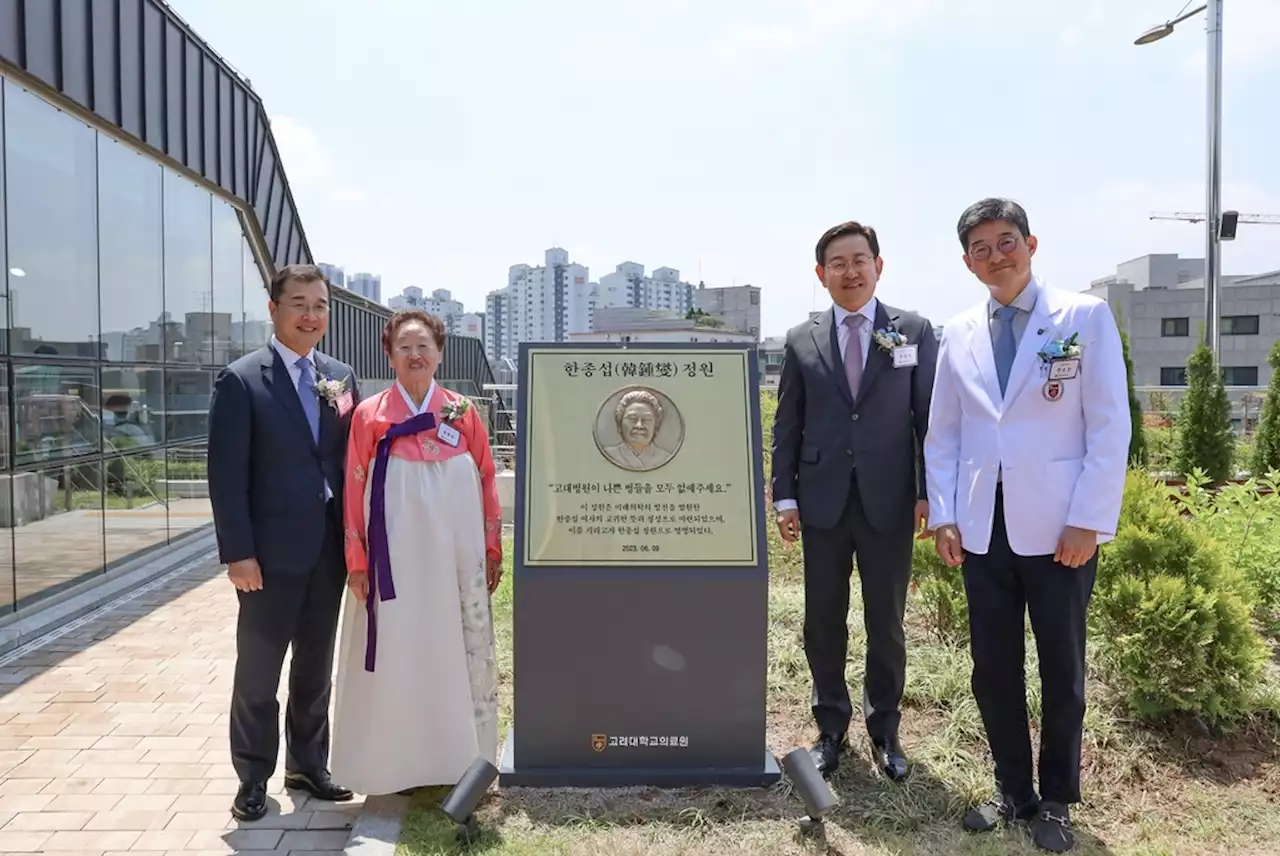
[[814, 791], [460, 804]]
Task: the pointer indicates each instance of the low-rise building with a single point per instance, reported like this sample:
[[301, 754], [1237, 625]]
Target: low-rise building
[[627, 324], [1159, 301]]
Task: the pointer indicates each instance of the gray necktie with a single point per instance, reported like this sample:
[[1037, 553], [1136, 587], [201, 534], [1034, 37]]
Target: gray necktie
[[1006, 346], [309, 396], [853, 353]]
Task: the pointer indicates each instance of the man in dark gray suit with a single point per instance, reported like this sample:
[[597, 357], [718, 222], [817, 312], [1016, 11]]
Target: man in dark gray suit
[[278, 425], [853, 407]]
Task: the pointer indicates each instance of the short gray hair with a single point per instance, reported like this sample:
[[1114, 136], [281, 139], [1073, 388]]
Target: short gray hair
[[639, 396], [991, 210]]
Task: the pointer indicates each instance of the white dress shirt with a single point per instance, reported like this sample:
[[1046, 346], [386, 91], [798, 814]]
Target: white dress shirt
[[868, 311], [843, 333], [291, 360]]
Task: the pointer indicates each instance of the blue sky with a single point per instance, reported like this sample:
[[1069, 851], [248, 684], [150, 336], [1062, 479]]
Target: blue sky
[[438, 143]]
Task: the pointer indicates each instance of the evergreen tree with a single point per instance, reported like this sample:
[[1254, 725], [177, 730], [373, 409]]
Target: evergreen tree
[[1138, 437], [1266, 441], [1205, 439]]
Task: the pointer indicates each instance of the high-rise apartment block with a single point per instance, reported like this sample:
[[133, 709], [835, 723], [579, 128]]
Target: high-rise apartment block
[[556, 301], [539, 304], [367, 285], [441, 304], [333, 273], [628, 287]]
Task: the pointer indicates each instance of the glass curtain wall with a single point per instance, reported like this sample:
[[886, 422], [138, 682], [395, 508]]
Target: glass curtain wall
[[125, 287]]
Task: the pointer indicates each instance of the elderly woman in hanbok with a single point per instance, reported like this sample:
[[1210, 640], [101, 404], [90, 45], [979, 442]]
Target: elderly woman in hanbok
[[416, 692]]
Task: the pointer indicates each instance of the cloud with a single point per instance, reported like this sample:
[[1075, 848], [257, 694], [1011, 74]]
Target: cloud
[[310, 166]]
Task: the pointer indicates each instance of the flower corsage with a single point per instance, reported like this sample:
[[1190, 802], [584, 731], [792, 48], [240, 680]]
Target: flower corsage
[[1061, 349], [888, 339], [455, 410], [331, 390]]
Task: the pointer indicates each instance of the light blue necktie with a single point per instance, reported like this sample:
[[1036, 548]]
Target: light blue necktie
[[309, 396], [1006, 346]]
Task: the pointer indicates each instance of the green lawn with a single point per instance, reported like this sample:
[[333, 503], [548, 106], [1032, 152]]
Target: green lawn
[[1149, 792]]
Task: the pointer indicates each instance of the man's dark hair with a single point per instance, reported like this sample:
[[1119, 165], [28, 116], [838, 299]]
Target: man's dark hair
[[991, 210], [850, 228], [295, 273]]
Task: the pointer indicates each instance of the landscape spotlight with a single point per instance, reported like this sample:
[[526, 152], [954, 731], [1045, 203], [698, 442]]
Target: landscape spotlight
[[817, 796], [461, 803]]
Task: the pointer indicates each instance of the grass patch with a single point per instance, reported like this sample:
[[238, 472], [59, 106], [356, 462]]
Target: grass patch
[[1149, 792]]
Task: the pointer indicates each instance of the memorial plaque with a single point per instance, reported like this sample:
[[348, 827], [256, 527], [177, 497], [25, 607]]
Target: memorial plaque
[[640, 568]]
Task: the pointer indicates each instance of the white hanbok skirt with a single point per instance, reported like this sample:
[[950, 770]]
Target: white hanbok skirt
[[429, 708]]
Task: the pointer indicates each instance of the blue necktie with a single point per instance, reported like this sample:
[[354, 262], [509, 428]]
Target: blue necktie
[[309, 396], [1006, 346]]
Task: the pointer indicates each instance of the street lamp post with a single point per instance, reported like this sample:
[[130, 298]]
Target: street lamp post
[[1213, 177]]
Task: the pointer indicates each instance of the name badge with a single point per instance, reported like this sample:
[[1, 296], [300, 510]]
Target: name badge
[[1064, 369], [906, 356], [448, 435]]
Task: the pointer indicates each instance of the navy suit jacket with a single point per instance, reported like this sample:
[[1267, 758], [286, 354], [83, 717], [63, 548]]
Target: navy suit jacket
[[266, 474]]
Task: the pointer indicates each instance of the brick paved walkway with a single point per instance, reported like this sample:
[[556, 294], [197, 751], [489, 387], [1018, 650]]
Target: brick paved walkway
[[113, 738]]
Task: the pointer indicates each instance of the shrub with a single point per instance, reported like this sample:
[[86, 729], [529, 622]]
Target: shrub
[[1266, 440], [1205, 438], [1172, 619], [1162, 448], [1244, 519], [1137, 436], [941, 594]]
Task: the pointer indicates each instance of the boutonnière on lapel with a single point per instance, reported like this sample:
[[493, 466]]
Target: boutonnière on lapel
[[1059, 360], [451, 413], [336, 393], [892, 342]]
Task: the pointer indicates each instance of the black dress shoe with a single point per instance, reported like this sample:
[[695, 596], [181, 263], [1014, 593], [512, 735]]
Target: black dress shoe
[[1000, 809], [250, 802], [889, 758], [826, 752], [319, 785], [1051, 830]]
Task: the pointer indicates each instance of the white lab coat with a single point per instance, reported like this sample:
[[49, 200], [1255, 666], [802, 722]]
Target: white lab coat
[[1063, 462]]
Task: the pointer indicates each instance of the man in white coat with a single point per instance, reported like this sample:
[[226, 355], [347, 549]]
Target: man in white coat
[[1025, 463]]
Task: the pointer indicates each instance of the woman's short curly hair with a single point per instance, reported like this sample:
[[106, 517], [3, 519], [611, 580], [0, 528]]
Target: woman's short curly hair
[[640, 396], [404, 316]]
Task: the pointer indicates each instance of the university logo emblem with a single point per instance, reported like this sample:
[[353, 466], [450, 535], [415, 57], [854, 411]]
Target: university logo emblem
[[599, 741], [1053, 390]]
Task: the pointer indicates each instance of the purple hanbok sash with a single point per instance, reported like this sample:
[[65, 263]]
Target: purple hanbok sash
[[381, 586]]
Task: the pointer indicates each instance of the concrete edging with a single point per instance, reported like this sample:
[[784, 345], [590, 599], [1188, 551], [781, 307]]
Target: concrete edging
[[376, 831]]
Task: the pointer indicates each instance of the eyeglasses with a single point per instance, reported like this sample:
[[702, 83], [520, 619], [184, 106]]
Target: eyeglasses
[[314, 310], [840, 266], [1006, 245]]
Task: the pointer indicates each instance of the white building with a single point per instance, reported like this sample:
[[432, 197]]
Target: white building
[[628, 286], [440, 303], [467, 324], [539, 304]]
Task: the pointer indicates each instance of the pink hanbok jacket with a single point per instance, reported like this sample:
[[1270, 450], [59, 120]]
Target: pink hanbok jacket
[[372, 419]]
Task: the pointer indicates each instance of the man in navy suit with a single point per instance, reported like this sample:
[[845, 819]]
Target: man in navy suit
[[278, 425]]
